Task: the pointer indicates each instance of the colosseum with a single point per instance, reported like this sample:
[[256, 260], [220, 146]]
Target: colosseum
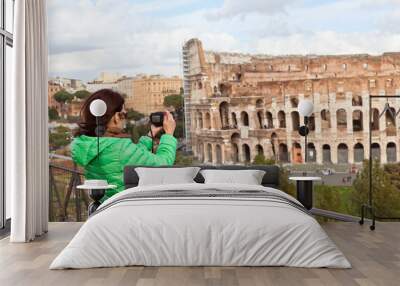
[[238, 106]]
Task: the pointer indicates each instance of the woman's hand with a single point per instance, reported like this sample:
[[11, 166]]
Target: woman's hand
[[169, 124], [154, 131]]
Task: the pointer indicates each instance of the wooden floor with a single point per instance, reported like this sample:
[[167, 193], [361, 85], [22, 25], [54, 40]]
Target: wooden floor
[[375, 257]]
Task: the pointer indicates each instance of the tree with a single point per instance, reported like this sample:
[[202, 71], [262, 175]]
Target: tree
[[179, 130], [133, 114], [386, 197], [63, 96], [183, 160], [175, 101], [82, 94], [137, 131], [53, 114], [261, 160], [59, 137], [327, 197]]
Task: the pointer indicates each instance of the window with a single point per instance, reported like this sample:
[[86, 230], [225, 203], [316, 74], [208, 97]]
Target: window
[[6, 43]]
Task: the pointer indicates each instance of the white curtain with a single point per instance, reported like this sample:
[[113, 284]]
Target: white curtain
[[26, 124]]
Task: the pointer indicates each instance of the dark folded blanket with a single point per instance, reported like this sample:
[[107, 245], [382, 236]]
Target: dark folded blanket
[[206, 194]]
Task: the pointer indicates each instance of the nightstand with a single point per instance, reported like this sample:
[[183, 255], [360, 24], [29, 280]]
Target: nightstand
[[304, 186], [97, 189]]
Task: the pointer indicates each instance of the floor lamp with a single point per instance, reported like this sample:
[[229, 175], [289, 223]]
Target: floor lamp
[[97, 188], [98, 108], [368, 206], [305, 109]]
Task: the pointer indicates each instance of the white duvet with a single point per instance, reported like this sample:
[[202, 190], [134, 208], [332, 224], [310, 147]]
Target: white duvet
[[200, 231]]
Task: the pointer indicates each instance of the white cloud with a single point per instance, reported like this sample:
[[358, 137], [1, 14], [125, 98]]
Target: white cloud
[[127, 36], [232, 8], [330, 42]]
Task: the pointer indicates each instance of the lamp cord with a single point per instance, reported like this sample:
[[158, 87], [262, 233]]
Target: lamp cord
[[98, 138], [152, 140]]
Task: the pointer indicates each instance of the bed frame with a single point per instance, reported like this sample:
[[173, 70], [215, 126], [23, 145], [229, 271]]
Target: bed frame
[[270, 179]]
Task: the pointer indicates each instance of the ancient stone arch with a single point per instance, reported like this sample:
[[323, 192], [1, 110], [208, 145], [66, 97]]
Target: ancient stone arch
[[200, 124], [391, 152], [259, 149], [312, 152], [209, 153], [343, 153], [311, 122], [376, 151], [358, 153], [235, 153], [282, 119], [390, 122], [207, 120], [295, 120], [357, 120], [296, 153], [260, 119], [246, 153], [341, 118], [326, 154], [356, 100], [200, 152], [224, 114], [283, 153], [325, 119], [294, 102], [218, 154], [270, 123], [244, 118], [375, 119], [234, 120]]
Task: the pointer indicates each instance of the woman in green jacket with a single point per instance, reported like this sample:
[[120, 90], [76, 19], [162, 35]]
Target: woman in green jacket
[[116, 148]]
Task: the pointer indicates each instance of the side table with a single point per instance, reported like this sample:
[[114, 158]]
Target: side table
[[97, 189], [304, 186]]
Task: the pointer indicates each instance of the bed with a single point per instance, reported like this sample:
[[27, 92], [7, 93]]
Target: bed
[[198, 224]]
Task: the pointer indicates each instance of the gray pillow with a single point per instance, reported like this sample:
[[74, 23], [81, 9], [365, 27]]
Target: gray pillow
[[166, 176], [248, 177]]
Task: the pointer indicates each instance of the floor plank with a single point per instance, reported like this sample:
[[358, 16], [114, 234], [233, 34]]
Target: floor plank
[[375, 257]]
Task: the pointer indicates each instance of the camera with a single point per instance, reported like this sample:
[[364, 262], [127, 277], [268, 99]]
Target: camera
[[157, 118]]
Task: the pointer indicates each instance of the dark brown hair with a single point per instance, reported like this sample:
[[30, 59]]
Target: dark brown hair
[[87, 122]]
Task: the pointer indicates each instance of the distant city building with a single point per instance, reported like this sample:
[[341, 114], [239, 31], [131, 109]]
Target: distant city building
[[240, 105], [125, 88], [69, 108], [95, 86], [53, 88], [70, 85], [104, 81], [149, 92], [108, 77], [74, 107]]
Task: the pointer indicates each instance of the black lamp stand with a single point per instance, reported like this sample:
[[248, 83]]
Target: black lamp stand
[[368, 207]]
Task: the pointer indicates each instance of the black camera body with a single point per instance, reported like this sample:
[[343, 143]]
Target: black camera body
[[157, 118]]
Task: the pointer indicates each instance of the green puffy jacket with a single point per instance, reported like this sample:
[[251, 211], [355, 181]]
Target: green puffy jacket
[[116, 153]]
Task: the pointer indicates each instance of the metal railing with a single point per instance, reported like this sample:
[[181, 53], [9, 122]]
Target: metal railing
[[66, 202]]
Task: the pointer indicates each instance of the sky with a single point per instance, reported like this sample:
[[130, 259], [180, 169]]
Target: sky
[[87, 37]]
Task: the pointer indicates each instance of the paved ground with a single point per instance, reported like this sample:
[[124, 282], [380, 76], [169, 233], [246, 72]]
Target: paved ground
[[375, 257]]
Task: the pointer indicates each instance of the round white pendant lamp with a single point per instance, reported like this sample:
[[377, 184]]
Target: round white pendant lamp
[[98, 107], [305, 107]]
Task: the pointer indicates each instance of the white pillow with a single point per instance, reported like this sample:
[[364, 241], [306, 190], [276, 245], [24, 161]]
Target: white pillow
[[248, 177], [166, 176]]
